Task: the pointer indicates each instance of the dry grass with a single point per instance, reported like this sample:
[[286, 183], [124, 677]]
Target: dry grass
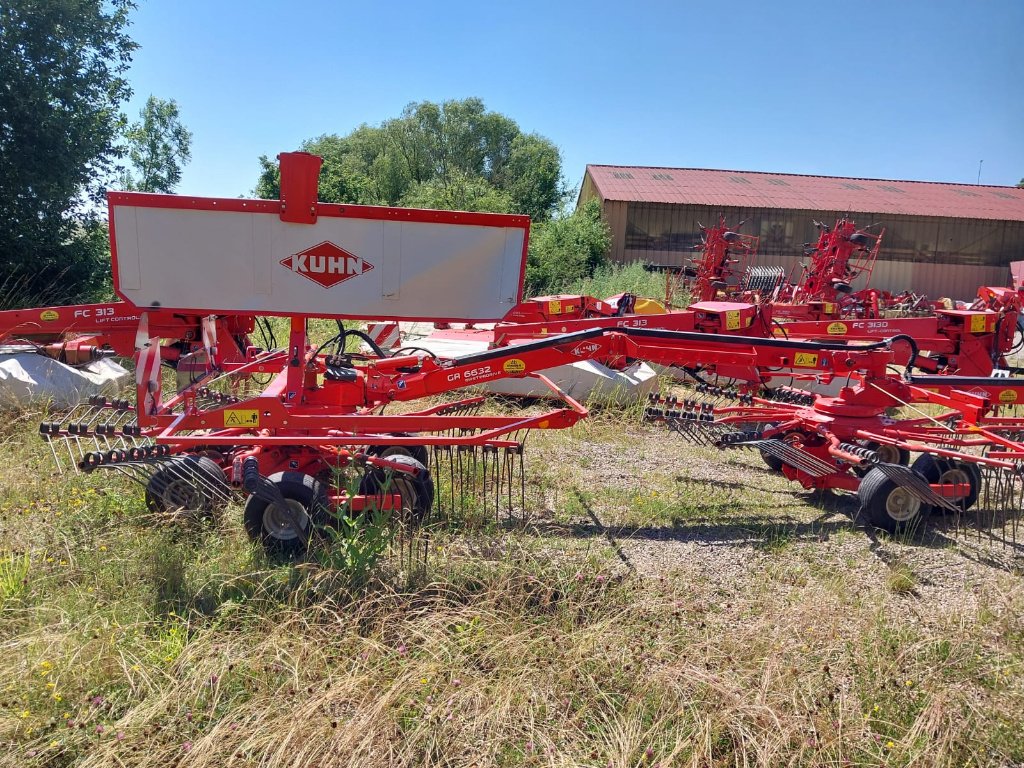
[[665, 606]]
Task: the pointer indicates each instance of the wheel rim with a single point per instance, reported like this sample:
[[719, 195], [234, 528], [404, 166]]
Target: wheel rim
[[407, 491], [888, 454], [181, 494], [902, 506], [278, 523], [957, 475]]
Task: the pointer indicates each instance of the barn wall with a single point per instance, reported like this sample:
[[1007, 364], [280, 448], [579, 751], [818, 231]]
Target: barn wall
[[929, 255]]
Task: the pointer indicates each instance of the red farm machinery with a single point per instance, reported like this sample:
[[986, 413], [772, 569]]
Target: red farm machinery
[[305, 433]]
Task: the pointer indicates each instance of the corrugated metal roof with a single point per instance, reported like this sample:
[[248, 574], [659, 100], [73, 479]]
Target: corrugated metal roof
[[753, 189]]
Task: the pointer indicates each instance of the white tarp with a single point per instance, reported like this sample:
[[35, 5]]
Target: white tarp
[[27, 378]]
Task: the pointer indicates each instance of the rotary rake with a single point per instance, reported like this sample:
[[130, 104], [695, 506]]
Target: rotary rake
[[963, 434]]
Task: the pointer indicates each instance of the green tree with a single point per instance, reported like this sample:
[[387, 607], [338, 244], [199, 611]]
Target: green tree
[[457, 192], [158, 146], [61, 85], [451, 155], [567, 249], [1020, 183]]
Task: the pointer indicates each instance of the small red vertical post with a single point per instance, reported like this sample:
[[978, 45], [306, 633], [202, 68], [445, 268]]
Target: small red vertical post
[[300, 173]]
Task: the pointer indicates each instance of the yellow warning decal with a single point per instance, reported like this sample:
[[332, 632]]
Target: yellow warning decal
[[1008, 396], [515, 365], [49, 315], [555, 307], [837, 329], [805, 360], [977, 323], [241, 417], [732, 320], [829, 307], [569, 308]]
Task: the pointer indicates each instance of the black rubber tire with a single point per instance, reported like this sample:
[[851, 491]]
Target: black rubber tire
[[719, 285], [774, 463], [690, 271], [259, 516], [859, 238], [843, 287], [417, 491], [731, 237], [418, 452], [202, 491], [873, 494], [933, 468]]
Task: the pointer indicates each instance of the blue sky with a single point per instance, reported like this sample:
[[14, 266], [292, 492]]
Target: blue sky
[[906, 89]]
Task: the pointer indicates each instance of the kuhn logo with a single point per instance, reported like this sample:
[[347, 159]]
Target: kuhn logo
[[585, 349], [326, 264]]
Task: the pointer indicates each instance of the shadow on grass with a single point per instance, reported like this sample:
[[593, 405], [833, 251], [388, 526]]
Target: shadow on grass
[[840, 513]]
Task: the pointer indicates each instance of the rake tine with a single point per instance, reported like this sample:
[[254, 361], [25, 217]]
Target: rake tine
[[473, 474], [451, 472], [436, 453], [460, 452], [496, 475], [53, 452], [506, 479]]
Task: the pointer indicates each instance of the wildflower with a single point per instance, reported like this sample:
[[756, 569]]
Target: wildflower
[[97, 701], [875, 708], [119, 736], [890, 744], [402, 650], [103, 547], [529, 746], [57, 697], [54, 744], [909, 683], [456, 682], [51, 684], [187, 746], [423, 681], [601, 579], [214, 679], [25, 714]]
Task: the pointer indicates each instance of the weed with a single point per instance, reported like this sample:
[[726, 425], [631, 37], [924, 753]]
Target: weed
[[901, 579], [14, 571]]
